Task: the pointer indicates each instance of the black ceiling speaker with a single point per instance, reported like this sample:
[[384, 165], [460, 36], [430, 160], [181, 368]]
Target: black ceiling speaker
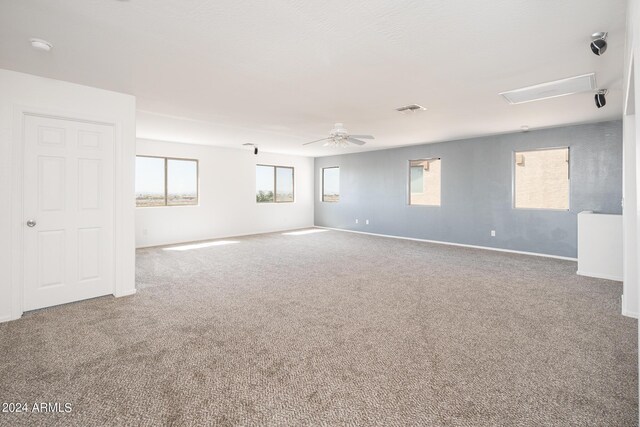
[[598, 43], [601, 101]]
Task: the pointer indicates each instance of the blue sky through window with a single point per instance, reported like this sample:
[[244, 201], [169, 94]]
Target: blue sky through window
[[331, 184], [182, 177], [149, 175]]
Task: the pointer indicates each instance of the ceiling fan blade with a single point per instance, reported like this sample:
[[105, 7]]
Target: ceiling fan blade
[[355, 141], [362, 136], [317, 140]]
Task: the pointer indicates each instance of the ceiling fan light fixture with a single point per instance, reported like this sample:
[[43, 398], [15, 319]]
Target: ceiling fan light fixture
[[337, 141]]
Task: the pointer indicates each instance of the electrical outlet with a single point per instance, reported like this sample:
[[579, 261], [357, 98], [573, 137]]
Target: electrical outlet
[[357, 220], [367, 222], [493, 233]]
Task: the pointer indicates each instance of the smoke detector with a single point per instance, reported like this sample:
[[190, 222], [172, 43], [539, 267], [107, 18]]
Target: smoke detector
[[249, 144], [411, 108]]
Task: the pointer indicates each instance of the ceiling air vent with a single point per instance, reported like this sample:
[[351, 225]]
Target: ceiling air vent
[[569, 86], [410, 108]]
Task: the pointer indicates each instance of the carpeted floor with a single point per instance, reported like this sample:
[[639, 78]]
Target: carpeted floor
[[332, 328]]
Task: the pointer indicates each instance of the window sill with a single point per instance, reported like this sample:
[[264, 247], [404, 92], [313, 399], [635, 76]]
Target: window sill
[[168, 206], [541, 209]]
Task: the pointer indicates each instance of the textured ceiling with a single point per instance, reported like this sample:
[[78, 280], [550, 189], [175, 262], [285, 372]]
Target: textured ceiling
[[279, 73]]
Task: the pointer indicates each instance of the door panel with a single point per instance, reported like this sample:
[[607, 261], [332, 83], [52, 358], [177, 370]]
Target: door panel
[[89, 253], [88, 139], [89, 182], [49, 135], [51, 183], [51, 249], [69, 194]]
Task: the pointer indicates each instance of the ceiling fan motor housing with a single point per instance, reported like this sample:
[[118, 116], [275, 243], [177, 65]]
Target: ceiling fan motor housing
[[338, 130]]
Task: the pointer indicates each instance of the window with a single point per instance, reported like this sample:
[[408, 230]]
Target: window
[[284, 184], [424, 182], [162, 181], [542, 179], [150, 181], [331, 184], [274, 184]]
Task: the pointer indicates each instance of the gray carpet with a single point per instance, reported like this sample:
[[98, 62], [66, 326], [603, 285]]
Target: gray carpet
[[332, 328]]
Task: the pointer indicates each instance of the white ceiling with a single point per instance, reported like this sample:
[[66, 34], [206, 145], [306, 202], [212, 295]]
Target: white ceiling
[[279, 73]]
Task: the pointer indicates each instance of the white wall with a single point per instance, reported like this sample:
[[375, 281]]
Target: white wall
[[23, 92], [632, 180], [600, 245], [631, 212], [227, 197]]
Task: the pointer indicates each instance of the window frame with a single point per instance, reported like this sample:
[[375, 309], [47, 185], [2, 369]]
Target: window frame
[[166, 182], [275, 183], [424, 159], [513, 178], [322, 187]]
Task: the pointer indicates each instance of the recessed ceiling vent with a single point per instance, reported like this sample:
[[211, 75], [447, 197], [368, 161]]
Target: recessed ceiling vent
[[41, 44], [569, 86], [407, 109]]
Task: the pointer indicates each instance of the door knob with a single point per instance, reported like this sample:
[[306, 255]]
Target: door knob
[[31, 223]]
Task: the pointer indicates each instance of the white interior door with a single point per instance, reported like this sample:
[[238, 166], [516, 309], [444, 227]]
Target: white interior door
[[68, 208]]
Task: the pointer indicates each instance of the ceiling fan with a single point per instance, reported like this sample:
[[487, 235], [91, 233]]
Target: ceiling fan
[[339, 137]]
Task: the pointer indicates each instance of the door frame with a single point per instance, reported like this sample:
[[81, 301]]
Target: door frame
[[630, 217], [17, 198]]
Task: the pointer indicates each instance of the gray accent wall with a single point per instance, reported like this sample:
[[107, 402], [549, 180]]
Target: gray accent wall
[[477, 185]]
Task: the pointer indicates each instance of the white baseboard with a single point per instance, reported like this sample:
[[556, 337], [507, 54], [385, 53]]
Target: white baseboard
[[488, 248], [628, 313], [125, 294], [599, 276], [7, 319]]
